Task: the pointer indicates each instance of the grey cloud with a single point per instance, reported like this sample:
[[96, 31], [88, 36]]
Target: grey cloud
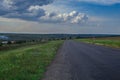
[[31, 16], [19, 9], [23, 4]]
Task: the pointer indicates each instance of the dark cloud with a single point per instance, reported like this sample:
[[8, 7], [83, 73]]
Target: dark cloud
[[32, 14], [24, 4], [20, 9]]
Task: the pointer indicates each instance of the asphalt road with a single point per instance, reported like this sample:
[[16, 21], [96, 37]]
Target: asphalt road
[[89, 62]]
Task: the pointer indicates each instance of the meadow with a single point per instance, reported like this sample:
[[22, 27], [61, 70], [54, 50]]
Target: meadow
[[27, 62], [108, 41]]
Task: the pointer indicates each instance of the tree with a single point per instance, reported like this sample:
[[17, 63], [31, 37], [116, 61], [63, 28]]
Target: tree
[[9, 42], [0, 43]]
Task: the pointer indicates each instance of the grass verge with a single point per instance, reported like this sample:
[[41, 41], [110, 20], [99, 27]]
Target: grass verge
[[27, 63], [105, 42]]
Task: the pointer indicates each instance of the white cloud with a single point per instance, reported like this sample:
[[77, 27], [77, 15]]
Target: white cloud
[[72, 17], [102, 1], [7, 4], [31, 8]]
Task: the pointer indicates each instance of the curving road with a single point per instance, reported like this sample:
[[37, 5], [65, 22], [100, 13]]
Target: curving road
[[88, 62]]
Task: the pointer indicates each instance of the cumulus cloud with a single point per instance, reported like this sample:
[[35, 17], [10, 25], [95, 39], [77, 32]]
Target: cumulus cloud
[[102, 1], [32, 10], [72, 17]]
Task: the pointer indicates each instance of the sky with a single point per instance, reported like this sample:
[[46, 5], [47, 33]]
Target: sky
[[60, 16]]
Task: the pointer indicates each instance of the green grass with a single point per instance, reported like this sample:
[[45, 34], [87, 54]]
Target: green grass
[[27, 63], [105, 42]]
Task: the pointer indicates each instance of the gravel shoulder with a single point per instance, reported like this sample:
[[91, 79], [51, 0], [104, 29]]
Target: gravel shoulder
[[60, 67]]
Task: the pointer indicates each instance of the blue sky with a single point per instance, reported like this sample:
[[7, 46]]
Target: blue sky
[[60, 16]]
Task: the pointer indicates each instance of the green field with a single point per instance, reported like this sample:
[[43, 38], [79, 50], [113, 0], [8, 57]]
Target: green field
[[27, 63], [111, 42]]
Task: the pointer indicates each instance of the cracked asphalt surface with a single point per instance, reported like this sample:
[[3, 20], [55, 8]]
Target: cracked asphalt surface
[[82, 61]]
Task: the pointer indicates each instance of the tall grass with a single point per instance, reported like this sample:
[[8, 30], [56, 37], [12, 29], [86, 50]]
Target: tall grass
[[27, 63], [105, 42]]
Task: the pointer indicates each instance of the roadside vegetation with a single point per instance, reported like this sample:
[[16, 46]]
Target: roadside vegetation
[[110, 41], [28, 62], [4, 47]]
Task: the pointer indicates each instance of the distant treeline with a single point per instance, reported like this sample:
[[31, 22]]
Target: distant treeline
[[19, 37]]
